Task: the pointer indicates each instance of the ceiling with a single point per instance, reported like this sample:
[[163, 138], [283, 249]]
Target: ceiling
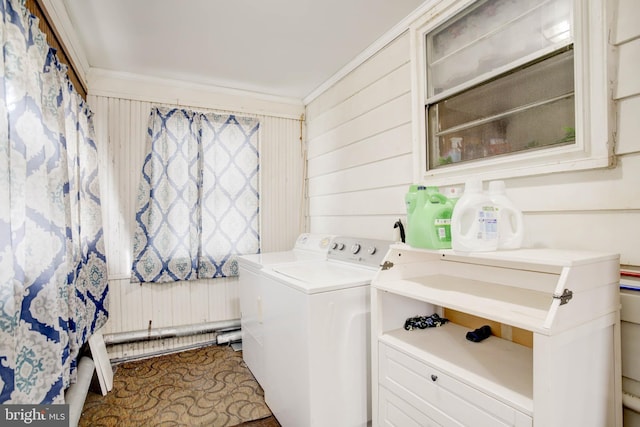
[[286, 48]]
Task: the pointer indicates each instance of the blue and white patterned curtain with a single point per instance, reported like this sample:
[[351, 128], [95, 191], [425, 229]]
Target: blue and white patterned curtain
[[198, 197], [53, 287]]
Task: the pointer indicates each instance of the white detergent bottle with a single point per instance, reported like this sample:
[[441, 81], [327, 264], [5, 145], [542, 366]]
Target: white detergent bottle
[[510, 218], [474, 222]]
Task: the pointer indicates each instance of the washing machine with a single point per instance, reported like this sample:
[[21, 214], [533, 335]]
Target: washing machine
[[317, 336], [307, 247]]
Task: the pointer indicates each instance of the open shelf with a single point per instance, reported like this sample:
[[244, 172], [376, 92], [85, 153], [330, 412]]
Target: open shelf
[[522, 308], [567, 304]]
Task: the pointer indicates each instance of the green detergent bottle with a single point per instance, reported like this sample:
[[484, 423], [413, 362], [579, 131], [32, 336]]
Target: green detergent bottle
[[428, 218], [410, 201], [415, 197]]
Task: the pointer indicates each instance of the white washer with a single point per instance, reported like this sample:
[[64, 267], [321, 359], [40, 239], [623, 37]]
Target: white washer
[[317, 335], [307, 247]]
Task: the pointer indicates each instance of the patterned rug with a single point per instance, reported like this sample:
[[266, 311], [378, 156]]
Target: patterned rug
[[209, 386]]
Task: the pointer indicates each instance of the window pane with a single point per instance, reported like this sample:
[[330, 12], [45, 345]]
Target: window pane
[[529, 108], [492, 35]]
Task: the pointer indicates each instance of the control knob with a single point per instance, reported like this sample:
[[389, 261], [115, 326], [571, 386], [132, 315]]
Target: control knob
[[355, 248], [372, 250]]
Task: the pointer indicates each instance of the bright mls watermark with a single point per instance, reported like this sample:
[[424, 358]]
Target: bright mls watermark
[[34, 415]]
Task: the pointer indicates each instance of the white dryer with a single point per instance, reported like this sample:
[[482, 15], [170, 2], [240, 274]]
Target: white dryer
[[317, 335], [307, 247]]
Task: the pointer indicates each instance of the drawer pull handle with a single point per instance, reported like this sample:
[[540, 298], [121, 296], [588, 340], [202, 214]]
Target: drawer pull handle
[[434, 377]]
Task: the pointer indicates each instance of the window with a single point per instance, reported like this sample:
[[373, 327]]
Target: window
[[503, 115], [198, 196], [512, 87]]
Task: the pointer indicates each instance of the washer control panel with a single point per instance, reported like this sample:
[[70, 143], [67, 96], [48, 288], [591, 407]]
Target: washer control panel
[[368, 252]]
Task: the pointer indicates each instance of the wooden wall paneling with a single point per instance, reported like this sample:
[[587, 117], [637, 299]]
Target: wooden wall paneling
[[127, 213], [389, 172], [381, 91], [114, 195], [161, 295], [628, 135], [233, 299], [594, 190], [360, 147], [391, 57], [136, 307], [282, 183], [392, 142], [180, 303], [117, 198], [627, 91], [198, 303], [628, 83], [120, 187], [607, 230], [219, 303], [626, 27], [368, 226], [391, 114], [378, 201]]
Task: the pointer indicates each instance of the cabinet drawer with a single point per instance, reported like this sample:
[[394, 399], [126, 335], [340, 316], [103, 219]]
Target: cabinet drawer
[[428, 388], [395, 411]]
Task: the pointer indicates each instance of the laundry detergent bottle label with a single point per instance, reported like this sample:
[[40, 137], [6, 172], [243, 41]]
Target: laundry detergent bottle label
[[439, 211], [474, 222], [487, 223], [443, 229]]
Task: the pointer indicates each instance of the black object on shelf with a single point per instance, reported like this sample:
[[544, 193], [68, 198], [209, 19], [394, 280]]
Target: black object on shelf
[[398, 224], [483, 332], [423, 322]]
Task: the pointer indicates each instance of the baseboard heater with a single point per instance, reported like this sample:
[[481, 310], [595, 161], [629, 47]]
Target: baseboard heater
[[178, 331], [229, 337], [631, 402]]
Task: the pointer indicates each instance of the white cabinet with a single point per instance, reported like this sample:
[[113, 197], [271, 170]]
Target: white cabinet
[[554, 358]]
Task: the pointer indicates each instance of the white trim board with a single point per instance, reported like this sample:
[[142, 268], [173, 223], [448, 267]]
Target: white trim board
[[137, 87]]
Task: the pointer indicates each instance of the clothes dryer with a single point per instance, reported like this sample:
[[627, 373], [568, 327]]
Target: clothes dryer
[[308, 247]]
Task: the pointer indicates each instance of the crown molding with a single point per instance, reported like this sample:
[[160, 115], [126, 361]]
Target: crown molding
[[117, 84], [61, 21]]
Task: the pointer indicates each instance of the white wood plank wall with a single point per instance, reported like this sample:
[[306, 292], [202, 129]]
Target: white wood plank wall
[[359, 147], [626, 37], [360, 162], [121, 126]]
